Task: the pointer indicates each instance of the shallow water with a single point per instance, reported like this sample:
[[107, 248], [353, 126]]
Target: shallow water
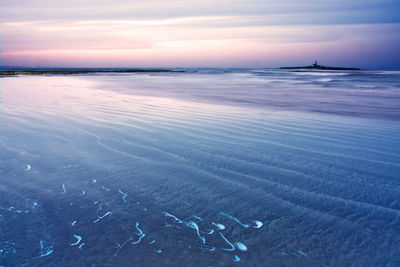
[[251, 167]]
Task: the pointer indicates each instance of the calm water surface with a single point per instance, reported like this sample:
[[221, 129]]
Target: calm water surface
[[202, 168]]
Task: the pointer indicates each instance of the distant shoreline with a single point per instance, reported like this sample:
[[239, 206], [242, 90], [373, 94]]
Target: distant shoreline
[[318, 67], [85, 71], [321, 68]]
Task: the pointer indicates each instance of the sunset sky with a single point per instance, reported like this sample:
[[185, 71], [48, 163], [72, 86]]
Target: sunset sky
[[192, 33]]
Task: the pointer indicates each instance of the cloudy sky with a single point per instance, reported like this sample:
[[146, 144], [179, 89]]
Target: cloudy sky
[[193, 33]]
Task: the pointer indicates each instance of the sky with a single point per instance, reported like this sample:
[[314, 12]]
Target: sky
[[193, 33]]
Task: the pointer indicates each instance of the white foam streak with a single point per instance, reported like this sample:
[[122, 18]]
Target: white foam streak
[[101, 217]]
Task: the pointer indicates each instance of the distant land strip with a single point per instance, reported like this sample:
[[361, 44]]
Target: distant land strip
[[58, 72], [318, 68]]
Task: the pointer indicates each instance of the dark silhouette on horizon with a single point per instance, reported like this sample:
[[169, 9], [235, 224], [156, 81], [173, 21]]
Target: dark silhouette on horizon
[[319, 67]]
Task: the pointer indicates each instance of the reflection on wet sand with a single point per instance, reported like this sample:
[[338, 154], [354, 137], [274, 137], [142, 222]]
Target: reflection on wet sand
[[97, 175]]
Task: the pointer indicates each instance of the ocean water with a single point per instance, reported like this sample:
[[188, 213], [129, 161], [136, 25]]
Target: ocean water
[[209, 167]]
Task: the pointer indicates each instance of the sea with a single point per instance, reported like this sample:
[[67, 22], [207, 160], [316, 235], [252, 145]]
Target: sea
[[201, 167]]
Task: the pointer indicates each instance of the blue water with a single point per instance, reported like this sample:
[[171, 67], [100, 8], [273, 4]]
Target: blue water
[[252, 167]]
